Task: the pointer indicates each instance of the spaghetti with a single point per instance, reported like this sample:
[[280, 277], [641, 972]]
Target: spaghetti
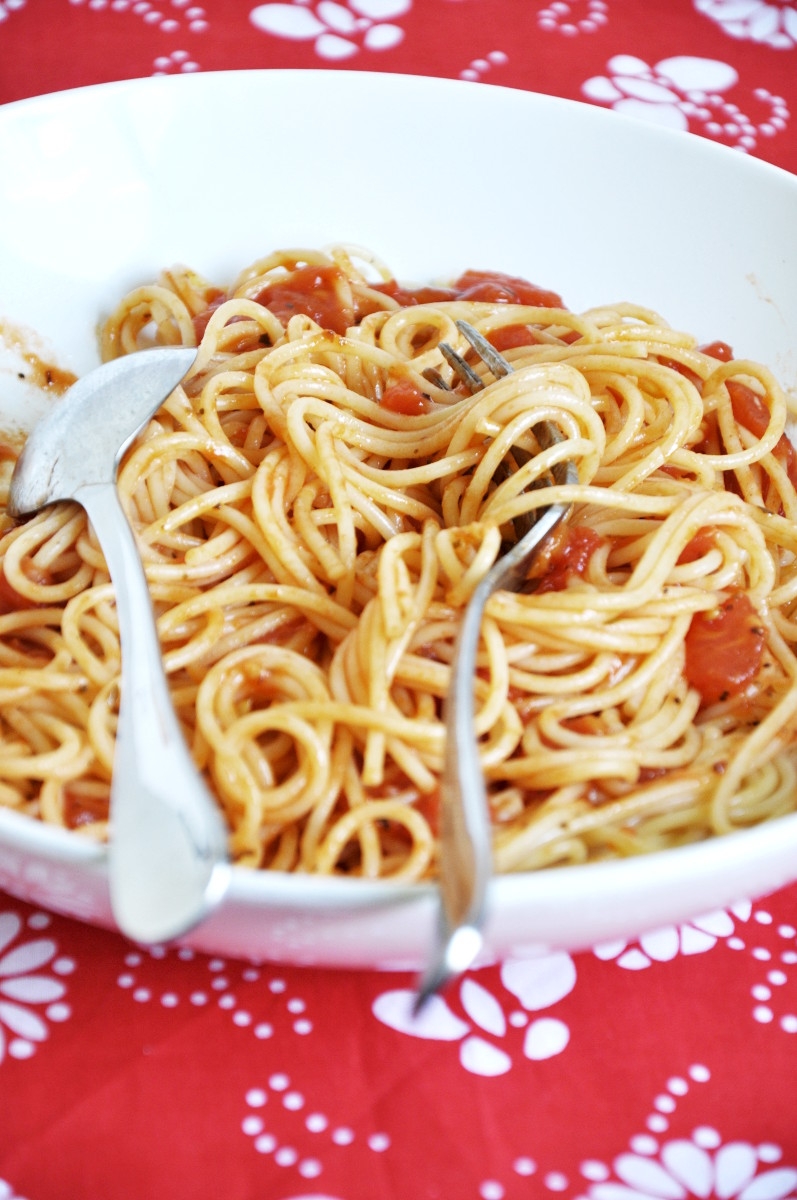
[[314, 507]]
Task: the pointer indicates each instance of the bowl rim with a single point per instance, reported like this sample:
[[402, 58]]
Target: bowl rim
[[23, 833], [368, 79]]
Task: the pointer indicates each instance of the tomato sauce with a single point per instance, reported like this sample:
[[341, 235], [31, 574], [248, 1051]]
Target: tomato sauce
[[724, 649], [509, 337], [42, 374], [405, 398], [11, 600], [494, 287], [570, 555], [699, 545], [81, 808], [428, 805], [200, 321], [313, 292], [750, 411], [406, 297], [319, 292], [718, 350]]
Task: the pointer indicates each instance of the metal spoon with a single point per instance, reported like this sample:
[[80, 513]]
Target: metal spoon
[[168, 842]]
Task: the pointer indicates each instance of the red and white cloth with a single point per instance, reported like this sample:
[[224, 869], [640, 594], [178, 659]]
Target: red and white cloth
[[721, 68], [662, 1069]]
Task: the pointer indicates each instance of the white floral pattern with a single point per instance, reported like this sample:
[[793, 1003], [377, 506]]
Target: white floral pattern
[[686, 92], [662, 945], [337, 30], [572, 17], [535, 983], [702, 1166], [771, 24], [7, 7], [314, 1132], [28, 996], [7, 1192], [180, 14]]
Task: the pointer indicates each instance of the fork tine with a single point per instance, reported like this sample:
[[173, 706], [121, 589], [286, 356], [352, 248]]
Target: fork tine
[[487, 353], [547, 433], [465, 371], [436, 378]]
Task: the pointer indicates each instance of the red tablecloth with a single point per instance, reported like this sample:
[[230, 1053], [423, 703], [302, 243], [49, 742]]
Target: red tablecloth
[[665, 1068]]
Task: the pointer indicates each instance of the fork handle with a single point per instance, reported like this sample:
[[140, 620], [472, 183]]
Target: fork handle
[[466, 844], [465, 864], [168, 845]]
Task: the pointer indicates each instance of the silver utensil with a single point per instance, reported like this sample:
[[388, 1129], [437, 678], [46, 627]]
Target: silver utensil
[[168, 843], [465, 858]]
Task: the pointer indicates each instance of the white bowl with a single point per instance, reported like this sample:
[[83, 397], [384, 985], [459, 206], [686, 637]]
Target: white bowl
[[104, 186]]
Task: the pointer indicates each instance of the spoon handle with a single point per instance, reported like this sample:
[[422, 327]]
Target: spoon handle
[[168, 846]]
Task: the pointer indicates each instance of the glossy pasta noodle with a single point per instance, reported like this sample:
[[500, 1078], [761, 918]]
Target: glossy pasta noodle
[[315, 505]]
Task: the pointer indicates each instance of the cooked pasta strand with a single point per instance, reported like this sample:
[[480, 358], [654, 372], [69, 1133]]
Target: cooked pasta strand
[[316, 504]]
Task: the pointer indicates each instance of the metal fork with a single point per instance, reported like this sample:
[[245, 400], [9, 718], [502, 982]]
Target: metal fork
[[465, 862]]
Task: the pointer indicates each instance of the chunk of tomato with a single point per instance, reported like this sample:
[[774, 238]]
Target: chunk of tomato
[[201, 319], [312, 291], [507, 337], [407, 296], [405, 398], [719, 350], [498, 288], [724, 649], [698, 546], [750, 411], [570, 555]]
